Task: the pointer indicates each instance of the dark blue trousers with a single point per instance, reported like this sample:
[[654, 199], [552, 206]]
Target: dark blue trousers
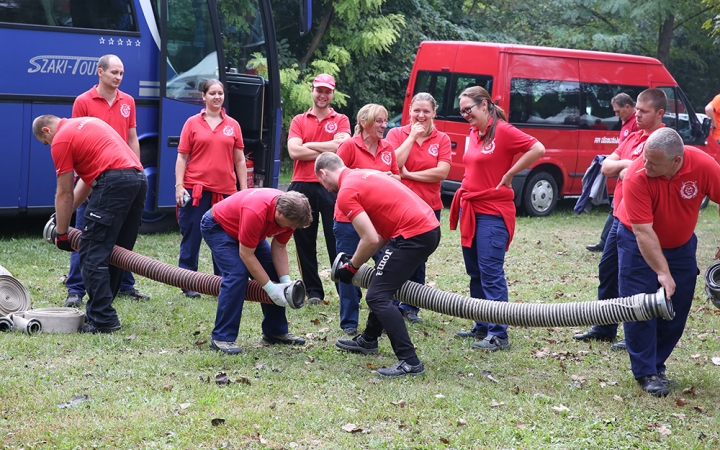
[[112, 217], [346, 240], [189, 218], [322, 203], [651, 342], [235, 276], [484, 263], [608, 275], [74, 282]]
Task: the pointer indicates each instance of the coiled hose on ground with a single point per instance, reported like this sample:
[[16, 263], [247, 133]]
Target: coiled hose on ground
[[600, 312], [712, 283], [175, 276]]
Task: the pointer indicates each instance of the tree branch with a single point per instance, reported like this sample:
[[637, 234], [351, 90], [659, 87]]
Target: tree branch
[[692, 17]]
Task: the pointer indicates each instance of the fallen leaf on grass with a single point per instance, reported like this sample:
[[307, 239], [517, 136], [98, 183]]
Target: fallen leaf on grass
[[259, 366], [323, 330], [522, 426], [315, 321], [680, 402], [400, 403], [716, 360], [488, 374], [168, 387], [351, 428], [310, 358], [131, 337], [702, 336], [201, 342], [663, 430], [324, 314], [699, 409], [75, 401], [462, 422], [696, 356], [495, 404], [560, 408], [679, 415], [244, 380], [439, 396], [371, 366], [221, 378], [185, 405], [217, 422], [617, 398], [263, 441], [445, 441], [691, 390]]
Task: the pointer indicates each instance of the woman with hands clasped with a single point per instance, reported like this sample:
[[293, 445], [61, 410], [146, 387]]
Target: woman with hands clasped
[[209, 164], [423, 156]]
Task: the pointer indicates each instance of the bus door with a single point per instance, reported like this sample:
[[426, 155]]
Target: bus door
[[189, 46]]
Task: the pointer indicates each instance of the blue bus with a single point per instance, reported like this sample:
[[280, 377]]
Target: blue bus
[[49, 54]]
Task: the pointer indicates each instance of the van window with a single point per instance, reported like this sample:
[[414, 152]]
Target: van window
[[676, 115], [95, 14], [435, 84], [544, 102], [460, 82], [595, 106]]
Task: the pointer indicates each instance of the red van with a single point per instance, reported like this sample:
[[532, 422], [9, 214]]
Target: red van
[[561, 97]]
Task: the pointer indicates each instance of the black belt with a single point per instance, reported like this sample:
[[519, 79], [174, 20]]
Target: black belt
[[116, 172]]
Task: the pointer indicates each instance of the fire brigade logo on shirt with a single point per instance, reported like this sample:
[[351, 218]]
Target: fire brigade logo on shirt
[[433, 149], [689, 190], [331, 127], [125, 110], [489, 148], [386, 158], [228, 130], [639, 149]]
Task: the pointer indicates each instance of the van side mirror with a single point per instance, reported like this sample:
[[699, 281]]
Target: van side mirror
[[706, 127]]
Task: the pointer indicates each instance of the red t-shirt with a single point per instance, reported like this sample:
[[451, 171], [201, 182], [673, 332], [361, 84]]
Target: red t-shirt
[[249, 217], [120, 115], [308, 128], [486, 163], [632, 149], [392, 207], [89, 146], [434, 149], [628, 127], [355, 155], [211, 161], [672, 204]]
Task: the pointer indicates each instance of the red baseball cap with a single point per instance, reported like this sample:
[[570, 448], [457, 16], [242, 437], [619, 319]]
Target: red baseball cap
[[324, 80]]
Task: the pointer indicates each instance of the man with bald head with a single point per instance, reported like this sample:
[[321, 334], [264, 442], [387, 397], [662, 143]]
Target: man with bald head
[[662, 194]]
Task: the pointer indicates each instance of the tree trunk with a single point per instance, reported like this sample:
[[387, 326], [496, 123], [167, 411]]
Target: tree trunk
[[665, 40], [324, 25]]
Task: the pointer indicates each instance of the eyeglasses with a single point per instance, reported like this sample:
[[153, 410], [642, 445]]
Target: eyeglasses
[[381, 121], [466, 111]]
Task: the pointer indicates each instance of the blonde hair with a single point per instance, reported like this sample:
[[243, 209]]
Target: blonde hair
[[368, 113]]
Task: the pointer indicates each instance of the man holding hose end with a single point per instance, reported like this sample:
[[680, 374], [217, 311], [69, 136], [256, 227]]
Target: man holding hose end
[[236, 229]]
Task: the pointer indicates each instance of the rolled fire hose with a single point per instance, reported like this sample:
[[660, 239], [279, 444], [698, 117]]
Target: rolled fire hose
[[576, 314], [6, 324], [57, 320], [29, 326], [181, 278], [712, 283], [13, 295]]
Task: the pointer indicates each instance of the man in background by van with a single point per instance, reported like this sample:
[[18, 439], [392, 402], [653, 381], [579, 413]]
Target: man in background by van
[[624, 108], [312, 133], [712, 110], [649, 111], [116, 108]]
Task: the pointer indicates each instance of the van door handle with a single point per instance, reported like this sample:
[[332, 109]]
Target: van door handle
[[173, 141], [453, 145]]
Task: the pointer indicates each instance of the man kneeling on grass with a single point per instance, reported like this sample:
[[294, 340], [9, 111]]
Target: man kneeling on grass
[[236, 229], [382, 211]]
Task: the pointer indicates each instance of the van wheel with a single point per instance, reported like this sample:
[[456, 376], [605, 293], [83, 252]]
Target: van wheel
[[705, 202], [540, 194]]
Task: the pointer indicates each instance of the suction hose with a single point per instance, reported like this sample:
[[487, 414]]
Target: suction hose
[[175, 276], [601, 312], [712, 283]]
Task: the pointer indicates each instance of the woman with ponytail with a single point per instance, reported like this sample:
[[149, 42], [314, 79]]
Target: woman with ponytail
[[484, 204]]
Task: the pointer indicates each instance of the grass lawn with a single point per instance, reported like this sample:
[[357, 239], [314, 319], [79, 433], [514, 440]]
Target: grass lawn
[[153, 384]]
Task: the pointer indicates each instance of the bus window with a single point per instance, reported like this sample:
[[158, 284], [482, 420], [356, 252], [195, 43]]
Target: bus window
[[192, 56], [462, 82], [676, 115], [545, 102], [94, 14], [435, 84], [243, 38], [596, 108]]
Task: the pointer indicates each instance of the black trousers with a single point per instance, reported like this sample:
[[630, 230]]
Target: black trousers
[[322, 203], [112, 217], [399, 260]]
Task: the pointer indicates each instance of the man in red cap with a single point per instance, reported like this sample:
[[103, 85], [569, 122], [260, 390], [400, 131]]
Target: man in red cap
[[386, 215], [312, 133]]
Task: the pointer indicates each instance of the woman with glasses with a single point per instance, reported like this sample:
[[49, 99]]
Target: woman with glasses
[[484, 204], [365, 150], [423, 155]]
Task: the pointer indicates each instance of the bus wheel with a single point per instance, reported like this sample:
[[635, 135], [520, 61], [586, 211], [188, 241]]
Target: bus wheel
[[540, 194]]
